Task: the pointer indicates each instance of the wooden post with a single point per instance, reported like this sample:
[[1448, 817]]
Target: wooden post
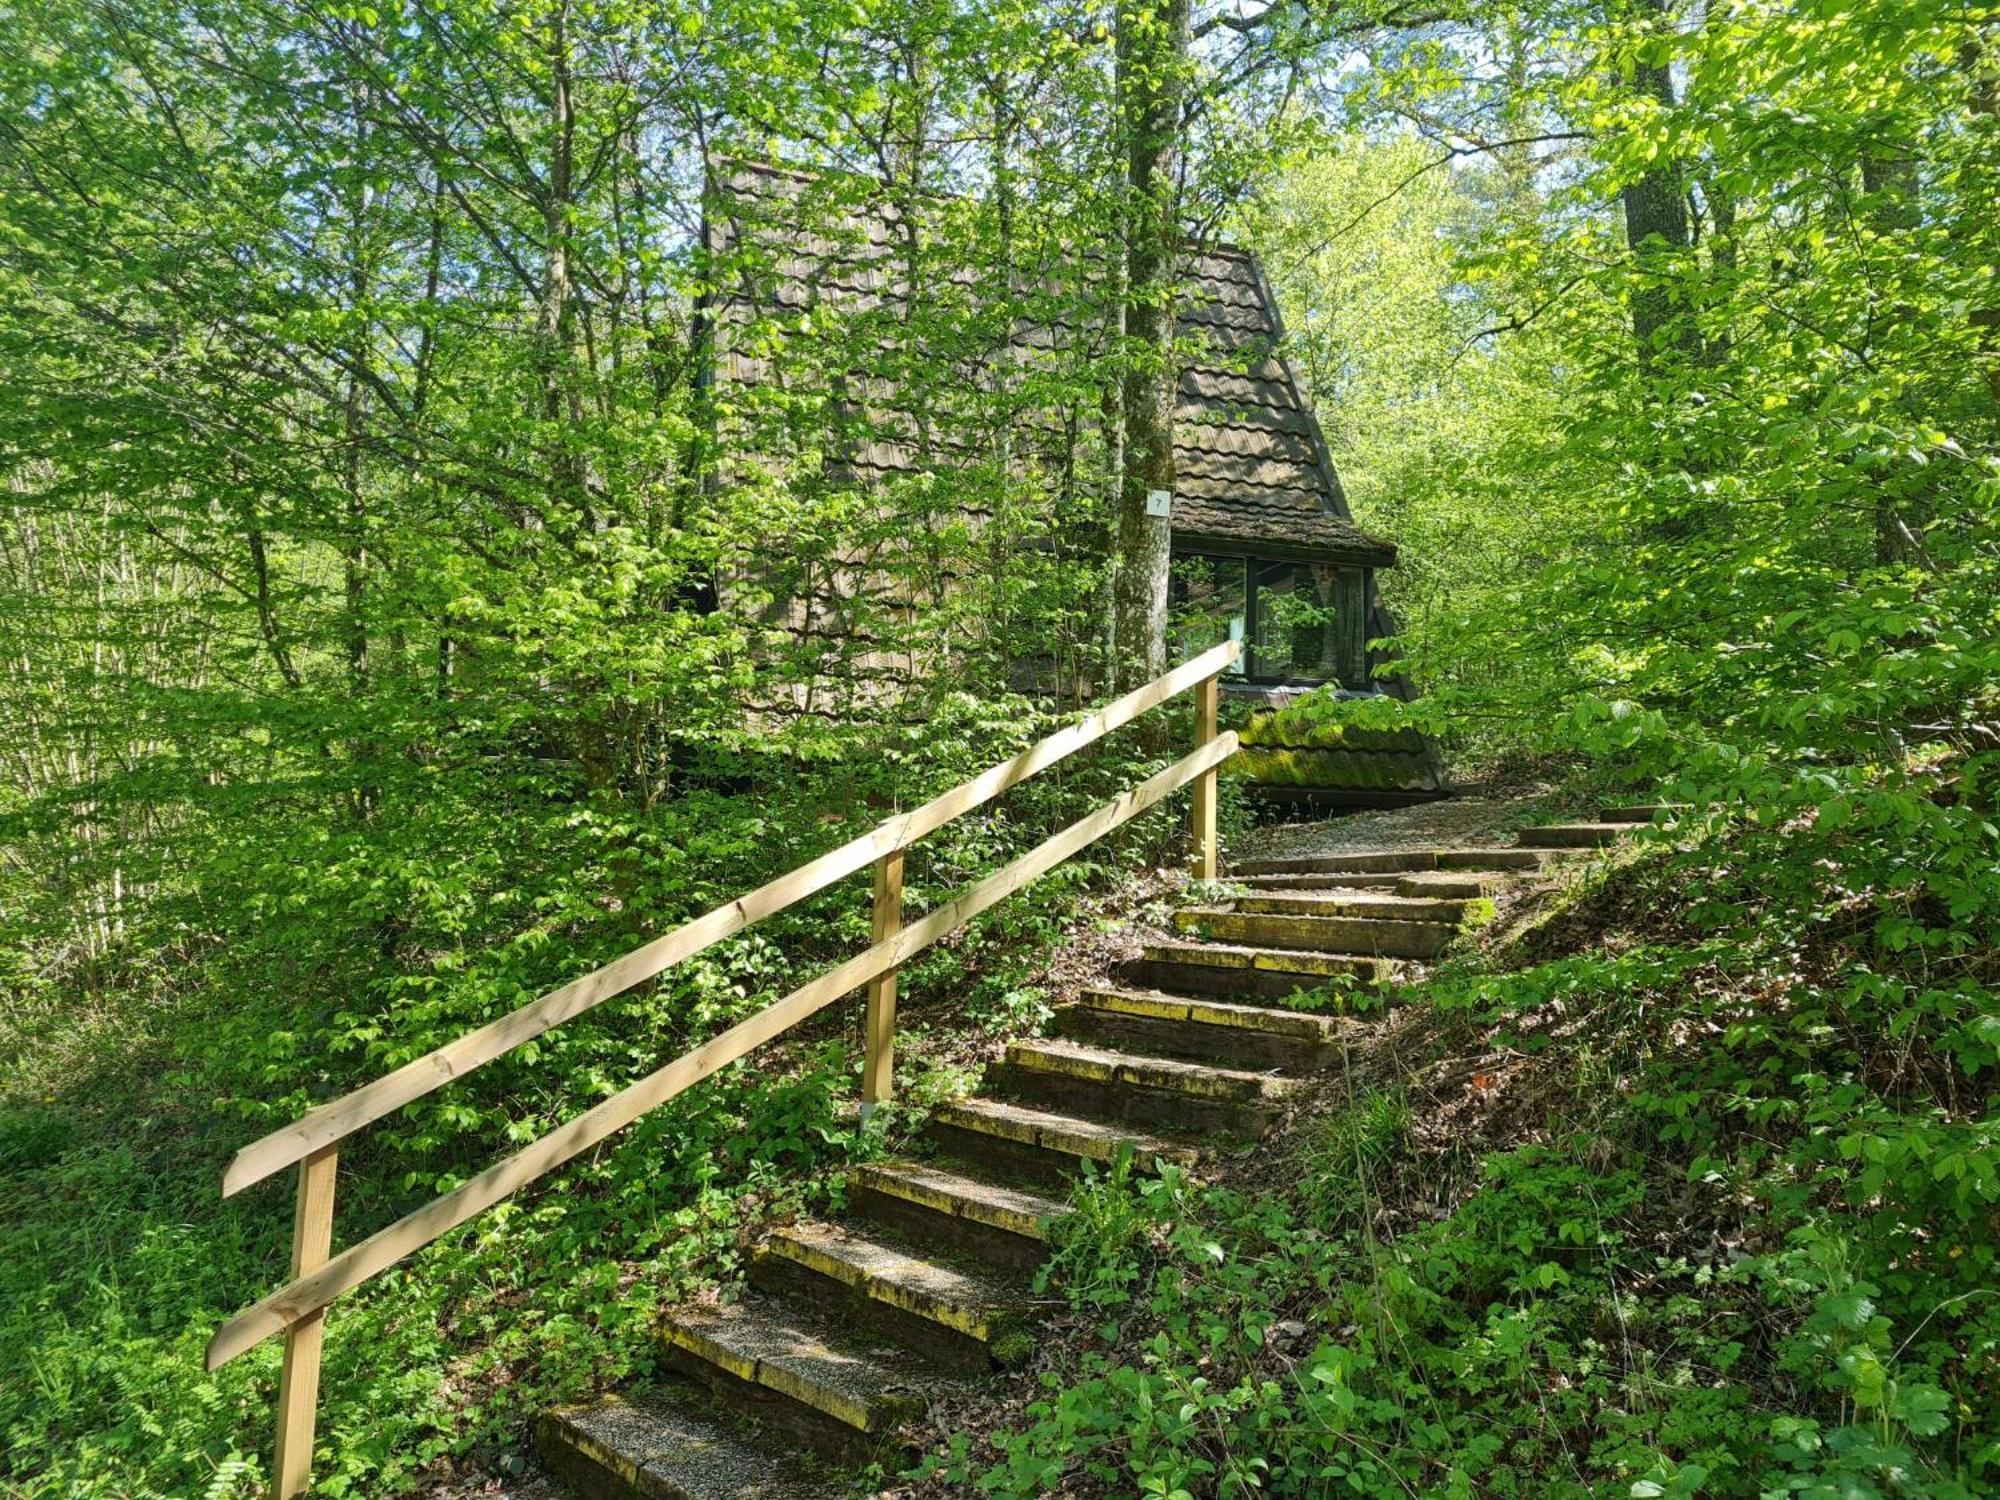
[[1207, 699], [298, 1383], [878, 1064]]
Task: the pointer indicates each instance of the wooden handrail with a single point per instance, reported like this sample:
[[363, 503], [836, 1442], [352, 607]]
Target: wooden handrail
[[331, 1122], [383, 1249], [298, 1309]]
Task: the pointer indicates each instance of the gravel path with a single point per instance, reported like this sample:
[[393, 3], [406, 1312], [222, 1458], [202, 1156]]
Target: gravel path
[[1455, 820]]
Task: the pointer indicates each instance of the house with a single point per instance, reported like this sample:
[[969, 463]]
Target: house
[[933, 403]]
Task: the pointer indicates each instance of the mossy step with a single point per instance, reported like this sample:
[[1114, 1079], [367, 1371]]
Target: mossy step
[[840, 1392], [1046, 1138], [1165, 1074], [1370, 862], [1347, 768], [966, 1316], [1571, 835], [1208, 1031], [1384, 881], [1158, 1005], [1152, 1092], [1362, 907], [994, 1221], [1394, 861], [1643, 812], [1452, 884], [1297, 933], [667, 1444], [1234, 970], [1492, 859], [1456, 884], [1290, 730]]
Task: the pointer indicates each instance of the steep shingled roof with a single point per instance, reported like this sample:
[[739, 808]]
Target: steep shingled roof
[[1253, 468], [1254, 477]]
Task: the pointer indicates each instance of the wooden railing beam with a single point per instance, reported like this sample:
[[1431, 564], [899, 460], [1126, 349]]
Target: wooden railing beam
[[1207, 708], [331, 1122], [307, 1294]]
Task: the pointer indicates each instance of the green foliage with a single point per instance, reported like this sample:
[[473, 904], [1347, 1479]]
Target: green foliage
[[1747, 1249], [1447, 440], [397, 626], [108, 1306], [1099, 1247], [1338, 994], [119, 1259], [1735, 493]]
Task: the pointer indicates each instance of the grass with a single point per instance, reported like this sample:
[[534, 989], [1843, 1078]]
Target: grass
[[1575, 1219], [118, 1257]]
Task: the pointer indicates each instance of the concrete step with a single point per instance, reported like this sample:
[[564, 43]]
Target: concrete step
[[1643, 812], [1050, 1145], [1359, 907], [992, 1221], [1386, 881], [842, 1394], [1454, 884], [1308, 934], [1393, 862], [1213, 1031], [1528, 860], [968, 1317], [1106, 1083], [1457, 884], [1571, 835], [669, 1443], [1248, 973]]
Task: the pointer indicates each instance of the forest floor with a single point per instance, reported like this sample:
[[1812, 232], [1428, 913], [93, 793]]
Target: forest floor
[[1481, 814], [1512, 1244], [1463, 1090]]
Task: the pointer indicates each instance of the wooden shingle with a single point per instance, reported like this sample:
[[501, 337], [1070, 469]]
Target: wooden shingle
[[1254, 474]]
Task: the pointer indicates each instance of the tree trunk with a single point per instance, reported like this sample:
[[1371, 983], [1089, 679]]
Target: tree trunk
[[1889, 205], [1978, 59], [1152, 67], [1657, 228], [555, 323], [354, 432]]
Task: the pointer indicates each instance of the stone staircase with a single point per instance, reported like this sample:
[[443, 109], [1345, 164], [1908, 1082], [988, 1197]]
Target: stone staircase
[[850, 1329]]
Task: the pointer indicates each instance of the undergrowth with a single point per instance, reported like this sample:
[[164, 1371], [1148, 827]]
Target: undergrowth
[[118, 1258], [1688, 1190]]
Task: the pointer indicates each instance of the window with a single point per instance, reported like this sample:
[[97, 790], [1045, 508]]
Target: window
[[1205, 604], [1287, 613], [1292, 618]]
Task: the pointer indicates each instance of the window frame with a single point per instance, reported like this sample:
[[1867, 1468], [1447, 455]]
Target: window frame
[[1247, 669]]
